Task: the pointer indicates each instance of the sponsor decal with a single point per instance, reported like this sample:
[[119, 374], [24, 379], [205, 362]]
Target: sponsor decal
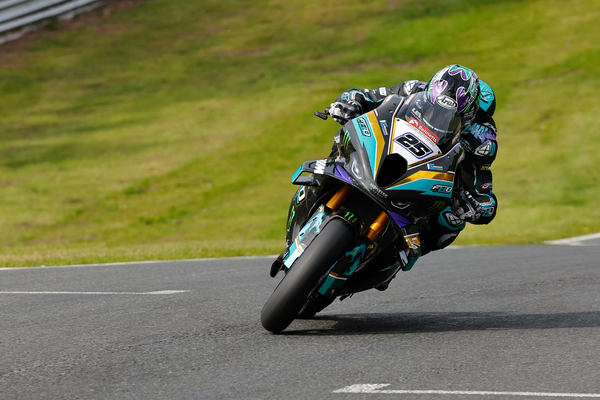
[[446, 102], [434, 167], [414, 145], [376, 190], [350, 217], [346, 140], [485, 167], [424, 130], [383, 91], [301, 194], [403, 257], [409, 99], [488, 212], [320, 167], [470, 114], [441, 189], [438, 205], [292, 215], [465, 144], [363, 127], [384, 125], [413, 241], [487, 185], [482, 132]]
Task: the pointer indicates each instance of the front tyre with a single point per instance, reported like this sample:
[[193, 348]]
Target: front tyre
[[292, 292]]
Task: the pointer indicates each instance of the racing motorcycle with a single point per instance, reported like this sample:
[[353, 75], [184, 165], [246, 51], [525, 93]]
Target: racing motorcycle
[[355, 221]]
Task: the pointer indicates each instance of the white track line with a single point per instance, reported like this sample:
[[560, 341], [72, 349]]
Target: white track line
[[375, 389], [575, 241], [96, 293], [140, 262]]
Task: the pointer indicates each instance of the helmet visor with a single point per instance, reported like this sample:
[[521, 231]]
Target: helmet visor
[[442, 117]]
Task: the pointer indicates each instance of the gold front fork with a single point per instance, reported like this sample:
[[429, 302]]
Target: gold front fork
[[339, 197], [376, 227]]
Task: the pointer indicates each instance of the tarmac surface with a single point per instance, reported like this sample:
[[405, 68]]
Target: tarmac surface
[[472, 322]]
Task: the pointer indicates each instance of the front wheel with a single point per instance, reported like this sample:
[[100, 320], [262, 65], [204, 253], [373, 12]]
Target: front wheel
[[292, 292]]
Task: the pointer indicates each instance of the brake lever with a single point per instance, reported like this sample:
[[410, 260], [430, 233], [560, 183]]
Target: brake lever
[[324, 115]]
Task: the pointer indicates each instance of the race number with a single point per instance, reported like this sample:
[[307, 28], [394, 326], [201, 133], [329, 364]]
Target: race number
[[414, 145]]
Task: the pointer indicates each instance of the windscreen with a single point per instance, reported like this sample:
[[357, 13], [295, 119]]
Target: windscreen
[[440, 118]]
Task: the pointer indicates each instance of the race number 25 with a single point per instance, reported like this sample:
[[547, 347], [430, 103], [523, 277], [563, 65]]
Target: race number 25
[[414, 145]]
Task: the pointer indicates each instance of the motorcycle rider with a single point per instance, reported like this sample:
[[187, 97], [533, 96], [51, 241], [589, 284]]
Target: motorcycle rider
[[476, 203]]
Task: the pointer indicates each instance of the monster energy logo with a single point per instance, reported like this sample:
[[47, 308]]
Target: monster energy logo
[[292, 215], [438, 205], [346, 140], [350, 217]]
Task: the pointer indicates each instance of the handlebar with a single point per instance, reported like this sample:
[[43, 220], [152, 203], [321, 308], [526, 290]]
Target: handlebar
[[324, 115]]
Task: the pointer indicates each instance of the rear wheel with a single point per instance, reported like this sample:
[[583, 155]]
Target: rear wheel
[[292, 292]]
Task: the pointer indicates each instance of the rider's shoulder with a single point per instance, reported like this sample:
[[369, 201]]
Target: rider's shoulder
[[487, 100], [406, 88]]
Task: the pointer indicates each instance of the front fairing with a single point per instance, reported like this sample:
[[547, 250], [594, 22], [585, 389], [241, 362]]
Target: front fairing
[[395, 159]]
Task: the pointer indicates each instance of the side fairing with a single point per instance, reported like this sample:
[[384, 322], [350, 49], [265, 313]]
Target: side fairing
[[301, 206]]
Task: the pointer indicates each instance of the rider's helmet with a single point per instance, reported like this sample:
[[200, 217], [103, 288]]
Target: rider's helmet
[[460, 84]]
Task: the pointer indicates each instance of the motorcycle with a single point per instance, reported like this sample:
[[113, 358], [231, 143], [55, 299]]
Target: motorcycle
[[355, 221]]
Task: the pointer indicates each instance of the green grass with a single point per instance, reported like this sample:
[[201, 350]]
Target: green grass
[[171, 130]]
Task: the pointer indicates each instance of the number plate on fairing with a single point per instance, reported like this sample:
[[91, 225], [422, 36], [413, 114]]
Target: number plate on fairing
[[414, 142]]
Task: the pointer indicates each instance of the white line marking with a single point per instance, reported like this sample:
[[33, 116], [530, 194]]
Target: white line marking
[[575, 241], [375, 389], [141, 262], [157, 292]]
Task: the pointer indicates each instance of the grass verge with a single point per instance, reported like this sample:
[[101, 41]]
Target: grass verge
[[170, 130]]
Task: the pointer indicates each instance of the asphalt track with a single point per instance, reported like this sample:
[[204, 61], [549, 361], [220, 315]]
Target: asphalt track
[[466, 323]]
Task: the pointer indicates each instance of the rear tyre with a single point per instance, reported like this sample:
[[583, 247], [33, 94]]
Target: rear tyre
[[292, 292]]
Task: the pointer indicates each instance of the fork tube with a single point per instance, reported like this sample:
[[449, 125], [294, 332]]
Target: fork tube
[[339, 197], [377, 226]]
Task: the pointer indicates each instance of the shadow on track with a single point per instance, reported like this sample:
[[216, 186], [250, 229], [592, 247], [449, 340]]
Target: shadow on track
[[394, 323]]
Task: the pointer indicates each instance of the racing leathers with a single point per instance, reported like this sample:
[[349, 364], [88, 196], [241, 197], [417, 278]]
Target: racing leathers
[[478, 139]]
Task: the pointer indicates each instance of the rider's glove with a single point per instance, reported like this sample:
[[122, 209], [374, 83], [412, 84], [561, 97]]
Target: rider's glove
[[345, 110], [466, 207]]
